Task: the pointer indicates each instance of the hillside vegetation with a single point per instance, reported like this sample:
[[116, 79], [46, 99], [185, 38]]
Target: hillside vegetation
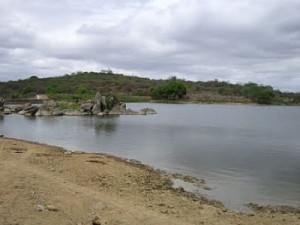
[[83, 85]]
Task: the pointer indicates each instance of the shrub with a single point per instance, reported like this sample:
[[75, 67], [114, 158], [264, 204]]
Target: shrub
[[173, 90]]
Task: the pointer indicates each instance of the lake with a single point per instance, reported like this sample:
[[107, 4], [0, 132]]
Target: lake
[[245, 153]]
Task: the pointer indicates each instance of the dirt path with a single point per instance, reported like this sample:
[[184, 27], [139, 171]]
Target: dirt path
[[40, 185]]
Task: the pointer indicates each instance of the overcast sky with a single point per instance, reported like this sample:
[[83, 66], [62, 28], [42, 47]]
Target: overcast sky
[[230, 40]]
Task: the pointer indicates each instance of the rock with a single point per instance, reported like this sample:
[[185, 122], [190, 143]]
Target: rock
[[1, 135], [31, 110], [86, 107], [49, 108], [2, 103], [39, 207], [43, 112], [147, 111], [97, 104], [2, 109], [68, 153], [96, 221], [99, 206], [116, 110], [122, 105], [73, 113], [22, 107], [52, 208], [96, 107], [105, 112], [49, 104], [7, 111], [129, 112], [57, 112], [22, 112], [103, 103]]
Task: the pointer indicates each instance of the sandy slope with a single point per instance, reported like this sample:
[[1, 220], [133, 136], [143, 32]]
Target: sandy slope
[[79, 186]]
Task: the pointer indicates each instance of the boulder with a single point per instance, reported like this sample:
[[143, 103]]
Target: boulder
[[116, 110], [43, 112], [31, 110], [103, 103], [87, 107], [96, 107], [57, 112], [2, 103], [7, 111], [147, 111], [105, 112], [129, 112], [22, 112], [21, 107], [99, 104], [49, 108]]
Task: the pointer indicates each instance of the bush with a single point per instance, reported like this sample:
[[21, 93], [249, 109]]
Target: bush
[[259, 93], [27, 90], [173, 90]]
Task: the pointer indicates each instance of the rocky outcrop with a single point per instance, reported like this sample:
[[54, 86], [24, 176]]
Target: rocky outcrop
[[109, 105], [49, 108], [100, 105]]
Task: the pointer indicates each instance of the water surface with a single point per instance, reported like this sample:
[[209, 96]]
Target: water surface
[[245, 153]]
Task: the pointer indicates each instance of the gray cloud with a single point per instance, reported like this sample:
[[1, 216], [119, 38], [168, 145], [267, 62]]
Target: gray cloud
[[236, 41]]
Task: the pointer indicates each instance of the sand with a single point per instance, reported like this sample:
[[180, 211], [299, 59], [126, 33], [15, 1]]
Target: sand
[[42, 184]]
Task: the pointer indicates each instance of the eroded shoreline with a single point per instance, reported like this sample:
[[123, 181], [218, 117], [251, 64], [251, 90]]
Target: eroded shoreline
[[83, 185]]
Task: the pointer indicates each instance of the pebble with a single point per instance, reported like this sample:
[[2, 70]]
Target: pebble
[[52, 208], [39, 207], [98, 206], [96, 221], [68, 153]]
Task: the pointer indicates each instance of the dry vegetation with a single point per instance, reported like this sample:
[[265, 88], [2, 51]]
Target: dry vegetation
[[83, 85]]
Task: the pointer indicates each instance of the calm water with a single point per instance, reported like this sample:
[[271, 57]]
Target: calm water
[[245, 153]]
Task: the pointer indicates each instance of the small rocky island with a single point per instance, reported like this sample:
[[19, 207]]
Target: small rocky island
[[100, 105]]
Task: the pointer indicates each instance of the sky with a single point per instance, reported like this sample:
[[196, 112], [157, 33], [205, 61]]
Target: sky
[[237, 41]]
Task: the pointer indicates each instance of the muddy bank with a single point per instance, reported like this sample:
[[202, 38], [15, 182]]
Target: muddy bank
[[42, 184]]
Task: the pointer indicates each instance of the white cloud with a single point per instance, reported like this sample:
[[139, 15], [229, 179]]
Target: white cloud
[[237, 41]]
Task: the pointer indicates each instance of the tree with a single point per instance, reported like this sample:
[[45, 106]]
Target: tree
[[33, 78], [173, 90], [259, 93], [52, 89], [27, 89]]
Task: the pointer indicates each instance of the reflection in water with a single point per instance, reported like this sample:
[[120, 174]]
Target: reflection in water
[[107, 124], [30, 118], [1, 118]]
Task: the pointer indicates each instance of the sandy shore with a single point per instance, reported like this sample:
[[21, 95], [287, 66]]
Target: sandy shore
[[42, 184]]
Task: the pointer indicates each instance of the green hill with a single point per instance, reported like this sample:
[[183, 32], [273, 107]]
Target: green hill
[[83, 85]]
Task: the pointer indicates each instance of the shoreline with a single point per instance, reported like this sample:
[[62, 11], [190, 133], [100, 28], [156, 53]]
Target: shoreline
[[123, 191]]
